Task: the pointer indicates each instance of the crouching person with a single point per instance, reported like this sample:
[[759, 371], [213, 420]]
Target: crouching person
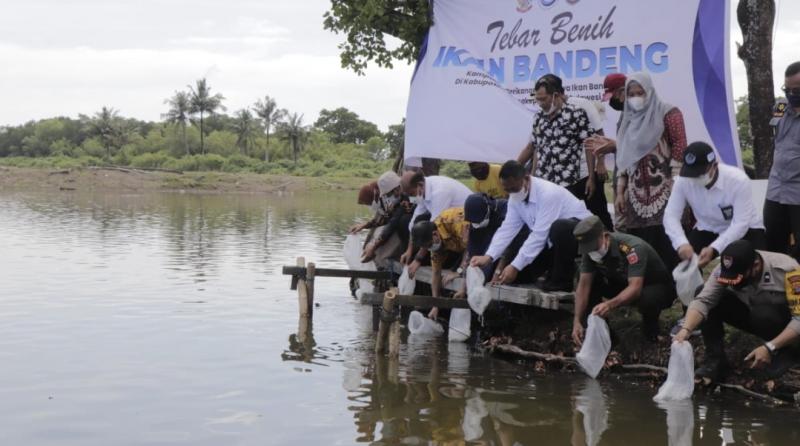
[[754, 291], [623, 269], [391, 239], [446, 238]]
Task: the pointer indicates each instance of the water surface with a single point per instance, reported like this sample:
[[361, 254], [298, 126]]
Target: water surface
[[163, 319]]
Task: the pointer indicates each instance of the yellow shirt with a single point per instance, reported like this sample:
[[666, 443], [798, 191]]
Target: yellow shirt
[[453, 230], [491, 186]]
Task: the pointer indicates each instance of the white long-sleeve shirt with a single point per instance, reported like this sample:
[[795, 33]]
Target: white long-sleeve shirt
[[546, 203], [440, 193], [726, 208]]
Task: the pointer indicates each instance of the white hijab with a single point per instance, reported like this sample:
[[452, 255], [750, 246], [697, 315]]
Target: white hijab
[[640, 131]]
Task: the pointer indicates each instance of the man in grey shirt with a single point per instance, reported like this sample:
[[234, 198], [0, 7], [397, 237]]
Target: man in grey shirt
[[782, 207]]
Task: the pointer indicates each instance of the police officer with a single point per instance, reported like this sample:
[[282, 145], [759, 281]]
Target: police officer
[[623, 269], [721, 201], [757, 292]]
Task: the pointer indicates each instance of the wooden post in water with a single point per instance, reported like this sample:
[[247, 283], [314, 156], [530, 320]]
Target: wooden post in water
[[383, 327], [310, 274], [302, 290], [394, 330]]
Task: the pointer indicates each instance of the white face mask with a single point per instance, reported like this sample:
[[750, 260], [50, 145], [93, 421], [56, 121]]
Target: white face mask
[[703, 179], [415, 199], [597, 256], [518, 196], [482, 224], [435, 247], [375, 206], [636, 103]]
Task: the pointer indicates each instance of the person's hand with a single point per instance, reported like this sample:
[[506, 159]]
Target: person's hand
[[601, 171], [357, 228], [683, 335], [434, 313], [369, 253], [406, 257], [590, 187], [600, 145], [619, 204], [706, 256], [760, 357], [508, 276], [480, 261], [685, 251], [412, 269], [460, 294], [449, 277], [577, 333], [603, 309]]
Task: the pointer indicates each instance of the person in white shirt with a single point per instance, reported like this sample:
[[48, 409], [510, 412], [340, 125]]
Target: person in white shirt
[[432, 195], [721, 201], [551, 212]]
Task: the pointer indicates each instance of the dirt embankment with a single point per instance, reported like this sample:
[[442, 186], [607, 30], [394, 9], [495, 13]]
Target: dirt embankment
[[95, 179]]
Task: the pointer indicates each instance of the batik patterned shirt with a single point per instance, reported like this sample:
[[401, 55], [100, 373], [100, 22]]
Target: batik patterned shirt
[[558, 142]]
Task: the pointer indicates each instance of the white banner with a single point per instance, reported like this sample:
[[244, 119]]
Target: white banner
[[471, 92]]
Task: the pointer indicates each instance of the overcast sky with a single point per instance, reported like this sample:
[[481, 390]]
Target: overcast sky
[[64, 57]]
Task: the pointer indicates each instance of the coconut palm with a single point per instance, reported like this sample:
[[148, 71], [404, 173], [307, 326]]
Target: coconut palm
[[180, 107], [105, 125], [245, 126], [271, 116], [295, 132], [204, 103]]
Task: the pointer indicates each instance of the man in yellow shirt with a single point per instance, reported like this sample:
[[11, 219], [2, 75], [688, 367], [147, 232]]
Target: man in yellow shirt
[[446, 238], [487, 179]]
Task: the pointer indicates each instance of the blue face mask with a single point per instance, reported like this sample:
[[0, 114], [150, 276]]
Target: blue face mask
[[794, 100]]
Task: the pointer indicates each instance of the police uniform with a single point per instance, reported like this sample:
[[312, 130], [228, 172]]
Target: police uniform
[[764, 307], [627, 257], [782, 205]]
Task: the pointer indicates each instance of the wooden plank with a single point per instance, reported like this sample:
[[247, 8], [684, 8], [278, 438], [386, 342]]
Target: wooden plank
[[344, 273], [415, 301]]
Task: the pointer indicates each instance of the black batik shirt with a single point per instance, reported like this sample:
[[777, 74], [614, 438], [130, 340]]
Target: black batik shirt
[[558, 142]]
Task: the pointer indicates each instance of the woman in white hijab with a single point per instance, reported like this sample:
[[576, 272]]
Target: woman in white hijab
[[650, 144]]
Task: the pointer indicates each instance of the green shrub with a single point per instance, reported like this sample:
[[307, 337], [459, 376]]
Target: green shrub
[[150, 160]]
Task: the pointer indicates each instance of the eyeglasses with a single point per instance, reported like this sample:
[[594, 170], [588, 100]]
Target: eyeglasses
[[791, 91]]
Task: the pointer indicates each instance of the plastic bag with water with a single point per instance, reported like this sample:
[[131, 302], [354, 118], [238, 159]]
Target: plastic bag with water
[[419, 325], [596, 346], [460, 319], [406, 285], [687, 277], [478, 295], [352, 255], [680, 374]]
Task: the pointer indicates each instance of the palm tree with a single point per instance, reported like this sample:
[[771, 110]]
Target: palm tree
[[295, 132], [105, 125], [179, 109], [203, 102], [245, 127], [271, 115]]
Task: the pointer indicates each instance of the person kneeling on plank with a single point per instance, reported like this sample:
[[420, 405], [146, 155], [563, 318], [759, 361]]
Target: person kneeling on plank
[[391, 239], [550, 212], [625, 270], [754, 291], [446, 238], [720, 199]]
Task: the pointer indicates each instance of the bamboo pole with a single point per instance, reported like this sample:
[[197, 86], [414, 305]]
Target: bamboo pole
[[302, 290], [311, 272], [383, 327]]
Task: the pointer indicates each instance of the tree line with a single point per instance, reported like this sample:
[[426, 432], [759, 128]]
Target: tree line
[[196, 133]]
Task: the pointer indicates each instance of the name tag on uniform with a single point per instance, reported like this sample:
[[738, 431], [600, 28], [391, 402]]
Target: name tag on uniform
[[727, 212]]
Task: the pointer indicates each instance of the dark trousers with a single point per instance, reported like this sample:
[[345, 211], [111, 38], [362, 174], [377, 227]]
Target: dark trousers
[[780, 221], [557, 261], [701, 239], [597, 203], [763, 320], [654, 298], [656, 237]]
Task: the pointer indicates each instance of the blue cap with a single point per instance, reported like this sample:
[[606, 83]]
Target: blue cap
[[476, 208]]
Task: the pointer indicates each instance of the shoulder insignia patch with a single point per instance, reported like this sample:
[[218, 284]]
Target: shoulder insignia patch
[[793, 292], [624, 248], [633, 258]]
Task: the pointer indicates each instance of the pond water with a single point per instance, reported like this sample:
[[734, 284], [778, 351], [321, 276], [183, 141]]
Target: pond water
[[163, 319]]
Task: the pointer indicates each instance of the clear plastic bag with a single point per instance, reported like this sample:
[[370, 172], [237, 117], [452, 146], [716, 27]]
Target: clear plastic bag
[[421, 326], [687, 277], [596, 346], [478, 295], [352, 255], [680, 374], [460, 319], [406, 285]]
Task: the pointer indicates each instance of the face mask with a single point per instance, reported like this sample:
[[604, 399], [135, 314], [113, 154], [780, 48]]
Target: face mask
[[390, 201], [703, 179], [482, 224], [636, 103], [416, 199], [597, 256], [794, 100], [518, 196], [375, 207], [435, 247], [616, 104]]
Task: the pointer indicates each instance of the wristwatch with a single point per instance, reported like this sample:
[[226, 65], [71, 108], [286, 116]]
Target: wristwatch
[[460, 271], [771, 347]]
